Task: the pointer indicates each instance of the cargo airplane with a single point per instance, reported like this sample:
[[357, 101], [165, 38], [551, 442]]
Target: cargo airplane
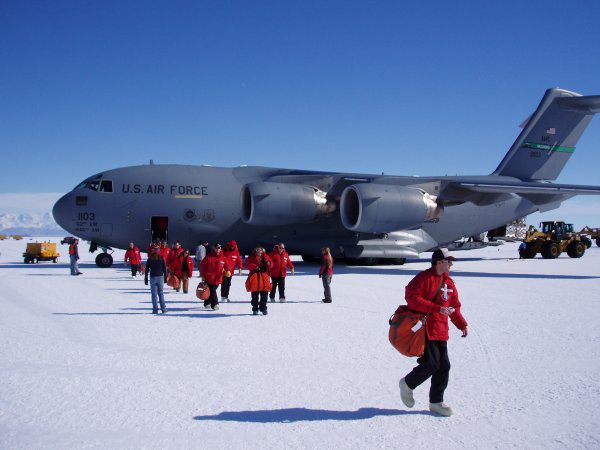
[[359, 216]]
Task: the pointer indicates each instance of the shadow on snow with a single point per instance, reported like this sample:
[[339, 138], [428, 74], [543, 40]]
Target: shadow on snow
[[289, 415]]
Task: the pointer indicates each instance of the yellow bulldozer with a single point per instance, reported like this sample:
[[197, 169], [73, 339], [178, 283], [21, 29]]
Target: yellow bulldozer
[[551, 240], [40, 251], [587, 234]]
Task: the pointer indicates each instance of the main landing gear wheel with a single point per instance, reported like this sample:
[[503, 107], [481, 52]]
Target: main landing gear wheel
[[104, 260]]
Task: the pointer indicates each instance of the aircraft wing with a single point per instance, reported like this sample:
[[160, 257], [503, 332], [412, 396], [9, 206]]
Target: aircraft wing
[[530, 188], [488, 191]]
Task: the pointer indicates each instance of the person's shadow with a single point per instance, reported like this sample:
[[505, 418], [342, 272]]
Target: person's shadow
[[288, 415]]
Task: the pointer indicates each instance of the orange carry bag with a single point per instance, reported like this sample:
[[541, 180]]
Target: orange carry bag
[[401, 334], [258, 282], [202, 291], [173, 281]]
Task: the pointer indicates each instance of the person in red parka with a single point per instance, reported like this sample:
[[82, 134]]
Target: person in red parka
[[235, 260], [134, 257], [326, 273], [174, 253], [165, 252], [212, 268], [183, 268], [259, 263], [432, 292], [281, 262]]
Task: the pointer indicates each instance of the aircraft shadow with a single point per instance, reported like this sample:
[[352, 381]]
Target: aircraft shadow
[[172, 312], [290, 415], [456, 273]]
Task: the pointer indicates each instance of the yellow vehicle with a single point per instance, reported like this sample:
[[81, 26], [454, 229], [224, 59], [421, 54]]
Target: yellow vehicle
[[2, 237], [40, 251], [17, 237], [589, 234], [553, 239]]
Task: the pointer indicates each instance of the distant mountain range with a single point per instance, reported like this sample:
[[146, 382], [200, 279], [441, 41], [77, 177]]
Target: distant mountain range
[[30, 224]]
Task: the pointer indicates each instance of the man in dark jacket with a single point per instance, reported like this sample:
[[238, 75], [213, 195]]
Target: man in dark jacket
[[432, 292], [157, 269]]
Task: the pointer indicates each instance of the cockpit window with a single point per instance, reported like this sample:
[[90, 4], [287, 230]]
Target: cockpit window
[[96, 185], [106, 186]]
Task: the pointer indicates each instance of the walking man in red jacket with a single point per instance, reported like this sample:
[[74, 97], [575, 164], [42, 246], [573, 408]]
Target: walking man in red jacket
[[432, 292], [212, 268], [134, 257], [280, 262]]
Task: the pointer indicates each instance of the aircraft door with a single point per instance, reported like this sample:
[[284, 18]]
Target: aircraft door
[[159, 226]]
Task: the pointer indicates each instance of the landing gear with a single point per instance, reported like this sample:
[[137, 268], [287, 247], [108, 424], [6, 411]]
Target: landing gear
[[104, 260], [398, 261]]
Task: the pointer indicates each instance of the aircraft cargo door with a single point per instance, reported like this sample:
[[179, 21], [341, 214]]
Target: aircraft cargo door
[[159, 227]]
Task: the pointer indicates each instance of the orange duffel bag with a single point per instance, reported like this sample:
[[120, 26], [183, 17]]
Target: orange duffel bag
[[173, 281], [401, 335], [258, 282], [203, 291]]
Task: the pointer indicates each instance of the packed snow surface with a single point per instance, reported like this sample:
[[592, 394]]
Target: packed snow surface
[[84, 364]]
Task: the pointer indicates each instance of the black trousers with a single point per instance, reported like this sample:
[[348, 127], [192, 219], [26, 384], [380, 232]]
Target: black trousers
[[435, 364], [213, 300], [134, 269], [225, 286], [256, 305], [277, 281]]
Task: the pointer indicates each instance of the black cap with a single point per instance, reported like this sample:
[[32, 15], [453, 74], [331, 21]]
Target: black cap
[[440, 254]]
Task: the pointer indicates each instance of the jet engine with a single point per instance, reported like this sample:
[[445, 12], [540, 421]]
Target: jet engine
[[381, 208], [273, 204]]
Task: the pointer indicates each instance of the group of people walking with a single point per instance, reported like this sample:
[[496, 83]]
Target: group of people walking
[[216, 266], [431, 292]]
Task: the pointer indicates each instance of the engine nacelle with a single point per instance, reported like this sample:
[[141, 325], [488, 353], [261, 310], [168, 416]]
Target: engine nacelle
[[273, 204], [382, 208]]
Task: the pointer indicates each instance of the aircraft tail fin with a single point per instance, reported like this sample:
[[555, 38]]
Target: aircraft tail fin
[[549, 136]]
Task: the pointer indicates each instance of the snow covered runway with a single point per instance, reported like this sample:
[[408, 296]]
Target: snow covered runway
[[85, 364]]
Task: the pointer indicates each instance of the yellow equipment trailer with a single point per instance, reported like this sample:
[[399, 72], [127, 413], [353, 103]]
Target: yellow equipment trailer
[[40, 251]]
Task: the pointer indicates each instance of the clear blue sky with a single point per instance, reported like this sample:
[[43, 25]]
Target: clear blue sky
[[361, 86]]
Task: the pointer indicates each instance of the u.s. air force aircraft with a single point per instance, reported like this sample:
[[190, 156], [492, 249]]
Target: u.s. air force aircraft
[[356, 215]]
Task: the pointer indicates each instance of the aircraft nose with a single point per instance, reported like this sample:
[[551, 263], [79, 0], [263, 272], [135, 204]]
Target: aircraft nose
[[63, 211]]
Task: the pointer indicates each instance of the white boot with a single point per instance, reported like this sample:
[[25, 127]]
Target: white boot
[[440, 408], [406, 394]]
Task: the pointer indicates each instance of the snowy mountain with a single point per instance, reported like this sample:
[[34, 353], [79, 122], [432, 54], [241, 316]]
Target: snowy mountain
[[32, 224]]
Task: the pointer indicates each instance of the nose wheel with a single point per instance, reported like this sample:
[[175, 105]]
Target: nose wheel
[[104, 260]]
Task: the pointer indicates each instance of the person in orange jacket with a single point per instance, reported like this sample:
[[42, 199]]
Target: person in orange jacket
[[259, 263], [183, 268], [235, 260], [433, 292], [134, 257], [212, 268], [281, 262]]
